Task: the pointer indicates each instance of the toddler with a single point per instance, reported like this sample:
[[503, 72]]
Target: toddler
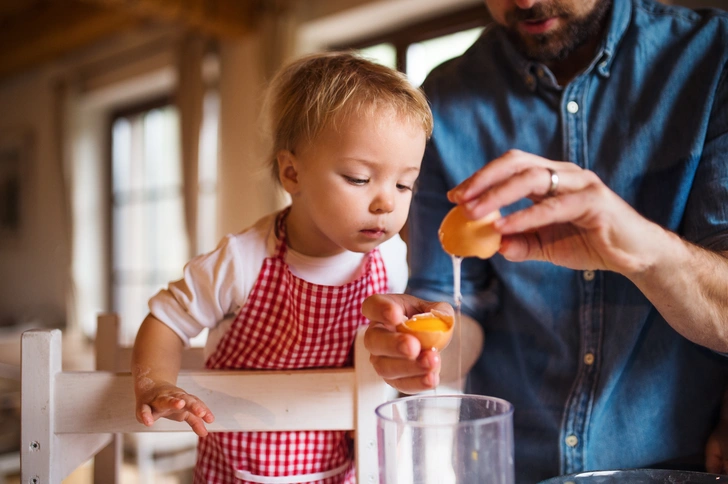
[[348, 138]]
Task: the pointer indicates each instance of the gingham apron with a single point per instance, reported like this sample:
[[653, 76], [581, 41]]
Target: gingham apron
[[289, 323]]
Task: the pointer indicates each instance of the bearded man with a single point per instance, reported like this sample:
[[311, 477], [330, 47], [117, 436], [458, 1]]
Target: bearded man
[[606, 310]]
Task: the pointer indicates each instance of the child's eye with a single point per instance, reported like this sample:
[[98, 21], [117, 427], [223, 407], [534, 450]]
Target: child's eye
[[403, 187], [356, 181]]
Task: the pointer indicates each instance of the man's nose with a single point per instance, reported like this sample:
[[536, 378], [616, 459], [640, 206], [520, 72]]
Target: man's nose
[[525, 4]]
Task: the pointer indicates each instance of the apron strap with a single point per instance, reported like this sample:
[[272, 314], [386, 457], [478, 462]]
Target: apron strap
[[314, 476], [281, 246]]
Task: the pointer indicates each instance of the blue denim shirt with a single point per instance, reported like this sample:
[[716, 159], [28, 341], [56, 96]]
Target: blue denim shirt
[[598, 378]]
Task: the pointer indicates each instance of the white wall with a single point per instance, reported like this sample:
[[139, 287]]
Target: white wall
[[46, 279], [245, 189], [34, 272]]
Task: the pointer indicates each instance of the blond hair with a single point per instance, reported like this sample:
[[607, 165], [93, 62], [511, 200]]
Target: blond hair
[[313, 92]]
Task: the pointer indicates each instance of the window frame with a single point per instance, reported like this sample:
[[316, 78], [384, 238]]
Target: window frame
[[401, 38], [126, 111]]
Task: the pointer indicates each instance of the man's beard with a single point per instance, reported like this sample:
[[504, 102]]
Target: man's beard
[[557, 45]]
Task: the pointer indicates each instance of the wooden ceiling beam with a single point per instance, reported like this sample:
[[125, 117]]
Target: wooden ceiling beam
[[220, 18], [52, 29]]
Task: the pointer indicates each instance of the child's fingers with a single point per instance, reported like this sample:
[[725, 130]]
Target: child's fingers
[[144, 415], [197, 425], [170, 401], [195, 406], [201, 410], [178, 406]]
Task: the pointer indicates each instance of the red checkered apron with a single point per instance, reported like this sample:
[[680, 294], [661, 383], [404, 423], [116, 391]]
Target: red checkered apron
[[289, 323]]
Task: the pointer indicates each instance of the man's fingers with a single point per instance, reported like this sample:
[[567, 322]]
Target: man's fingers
[[383, 342], [713, 464], [510, 164], [713, 455], [532, 183], [501, 168]]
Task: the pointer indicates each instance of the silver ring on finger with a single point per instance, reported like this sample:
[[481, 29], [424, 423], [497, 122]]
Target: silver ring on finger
[[554, 186]]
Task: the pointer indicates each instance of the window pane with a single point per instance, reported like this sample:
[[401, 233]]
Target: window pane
[[129, 237], [162, 165], [208, 138], [121, 155], [168, 246], [422, 57], [207, 193], [384, 54]]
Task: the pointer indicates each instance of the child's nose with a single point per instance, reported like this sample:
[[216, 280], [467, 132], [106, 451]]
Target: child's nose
[[382, 203]]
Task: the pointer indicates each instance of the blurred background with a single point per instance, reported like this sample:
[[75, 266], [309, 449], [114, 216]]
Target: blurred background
[[129, 142]]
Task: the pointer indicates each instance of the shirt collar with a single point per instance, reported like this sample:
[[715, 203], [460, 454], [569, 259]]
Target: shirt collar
[[621, 15], [534, 72]]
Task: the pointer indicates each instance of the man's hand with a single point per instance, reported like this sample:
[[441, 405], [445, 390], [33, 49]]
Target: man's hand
[[581, 225], [576, 221], [716, 450], [398, 357]]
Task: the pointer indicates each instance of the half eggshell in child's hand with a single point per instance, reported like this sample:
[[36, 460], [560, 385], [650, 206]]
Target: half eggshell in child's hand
[[463, 237], [433, 329]]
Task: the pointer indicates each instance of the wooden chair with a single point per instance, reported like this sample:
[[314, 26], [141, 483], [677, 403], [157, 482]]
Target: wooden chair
[[177, 453], [68, 417]]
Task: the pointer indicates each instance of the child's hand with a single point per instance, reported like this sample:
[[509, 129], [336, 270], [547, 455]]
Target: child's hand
[[716, 450], [164, 400]]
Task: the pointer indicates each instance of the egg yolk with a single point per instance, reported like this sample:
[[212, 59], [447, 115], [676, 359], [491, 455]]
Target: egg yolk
[[427, 323]]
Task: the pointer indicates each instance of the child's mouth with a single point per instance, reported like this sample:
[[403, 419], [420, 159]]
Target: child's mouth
[[373, 233]]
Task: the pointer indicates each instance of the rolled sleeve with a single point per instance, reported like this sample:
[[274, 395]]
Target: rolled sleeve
[[706, 214]]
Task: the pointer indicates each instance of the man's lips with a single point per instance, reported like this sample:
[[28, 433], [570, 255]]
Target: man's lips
[[537, 26]]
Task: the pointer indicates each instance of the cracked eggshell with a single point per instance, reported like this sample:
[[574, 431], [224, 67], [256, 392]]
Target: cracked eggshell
[[463, 237], [433, 329]]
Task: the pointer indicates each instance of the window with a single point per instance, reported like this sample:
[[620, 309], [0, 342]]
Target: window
[[424, 56], [207, 174], [149, 239], [418, 48], [385, 54]]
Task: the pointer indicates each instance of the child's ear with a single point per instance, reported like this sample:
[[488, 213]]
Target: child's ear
[[287, 171]]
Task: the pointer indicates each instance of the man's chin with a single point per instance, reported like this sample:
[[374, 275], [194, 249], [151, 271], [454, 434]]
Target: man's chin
[[539, 51], [539, 47]]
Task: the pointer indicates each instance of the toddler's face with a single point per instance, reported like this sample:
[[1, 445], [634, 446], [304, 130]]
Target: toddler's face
[[354, 184]]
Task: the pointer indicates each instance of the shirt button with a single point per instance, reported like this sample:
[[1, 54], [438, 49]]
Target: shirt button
[[572, 107], [588, 275], [571, 441], [589, 358]]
